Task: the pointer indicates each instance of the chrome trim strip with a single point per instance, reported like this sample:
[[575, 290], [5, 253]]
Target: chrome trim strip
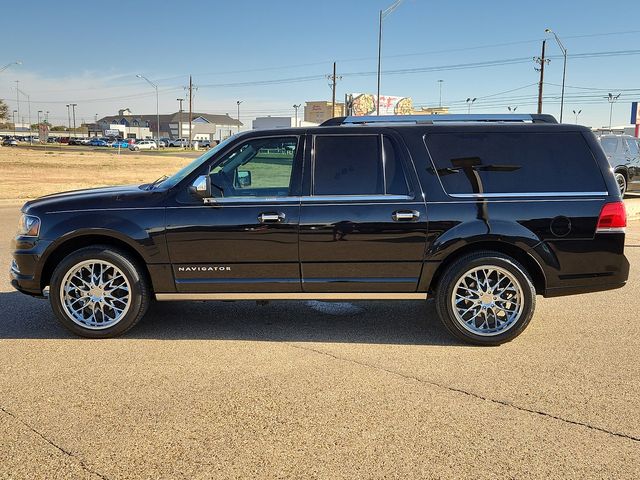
[[354, 198], [213, 201], [161, 297], [499, 117], [528, 194], [473, 201], [612, 230]]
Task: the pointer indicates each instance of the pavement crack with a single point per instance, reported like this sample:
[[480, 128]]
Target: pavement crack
[[471, 394], [82, 464]]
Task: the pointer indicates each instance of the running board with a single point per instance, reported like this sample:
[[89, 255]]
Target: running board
[[161, 297]]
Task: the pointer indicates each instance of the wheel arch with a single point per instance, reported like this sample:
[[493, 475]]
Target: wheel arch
[[75, 243], [527, 260]]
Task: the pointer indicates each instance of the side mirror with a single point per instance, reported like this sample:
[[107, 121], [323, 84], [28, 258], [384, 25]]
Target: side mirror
[[244, 178], [201, 187]]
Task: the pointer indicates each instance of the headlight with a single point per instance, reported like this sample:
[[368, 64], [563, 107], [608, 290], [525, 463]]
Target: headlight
[[29, 226]]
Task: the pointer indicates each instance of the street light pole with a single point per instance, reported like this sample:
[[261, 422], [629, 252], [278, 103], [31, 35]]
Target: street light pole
[[14, 122], [157, 106], [73, 107], [469, 103], [296, 107], [238, 103], [69, 117], [17, 62], [383, 14], [440, 101], [39, 112], [611, 98], [576, 113], [564, 68]]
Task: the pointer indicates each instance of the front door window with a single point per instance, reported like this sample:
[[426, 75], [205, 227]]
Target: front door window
[[258, 168]]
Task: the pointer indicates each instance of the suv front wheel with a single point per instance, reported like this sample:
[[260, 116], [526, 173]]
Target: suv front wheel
[[98, 292], [485, 298]]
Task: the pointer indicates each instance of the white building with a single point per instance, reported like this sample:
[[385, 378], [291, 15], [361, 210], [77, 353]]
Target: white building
[[264, 123]]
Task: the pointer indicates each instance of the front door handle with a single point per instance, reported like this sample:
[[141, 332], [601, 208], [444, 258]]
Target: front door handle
[[405, 216], [271, 217]]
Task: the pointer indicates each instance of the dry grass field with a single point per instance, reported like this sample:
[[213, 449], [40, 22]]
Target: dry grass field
[[29, 173]]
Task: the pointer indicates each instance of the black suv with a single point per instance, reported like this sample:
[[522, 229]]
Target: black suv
[[481, 212]]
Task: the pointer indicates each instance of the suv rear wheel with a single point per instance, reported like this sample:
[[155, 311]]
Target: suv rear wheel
[[98, 292], [485, 298]]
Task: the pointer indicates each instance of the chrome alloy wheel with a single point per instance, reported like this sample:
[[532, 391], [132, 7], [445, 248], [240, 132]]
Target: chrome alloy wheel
[[622, 183], [487, 300], [95, 294]]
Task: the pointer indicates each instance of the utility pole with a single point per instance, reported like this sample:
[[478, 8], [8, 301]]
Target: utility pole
[[541, 61], [73, 107], [190, 107], [334, 78], [180, 100]]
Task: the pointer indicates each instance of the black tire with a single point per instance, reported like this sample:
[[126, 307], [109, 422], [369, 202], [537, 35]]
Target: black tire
[[455, 271], [139, 290]]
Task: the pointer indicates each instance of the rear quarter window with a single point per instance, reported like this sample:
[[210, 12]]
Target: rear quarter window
[[514, 162]]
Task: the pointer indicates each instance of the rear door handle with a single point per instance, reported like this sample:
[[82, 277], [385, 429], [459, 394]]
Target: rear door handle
[[271, 217], [405, 216]]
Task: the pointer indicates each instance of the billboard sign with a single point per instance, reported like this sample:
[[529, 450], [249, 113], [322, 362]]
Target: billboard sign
[[366, 104], [635, 114], [111, 132]]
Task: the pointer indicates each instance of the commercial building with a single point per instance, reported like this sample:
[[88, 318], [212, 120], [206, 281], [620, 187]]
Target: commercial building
[[264, 123], [318, 112], [205, 126]]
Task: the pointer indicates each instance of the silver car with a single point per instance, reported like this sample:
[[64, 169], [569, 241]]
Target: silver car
[[623, 153]]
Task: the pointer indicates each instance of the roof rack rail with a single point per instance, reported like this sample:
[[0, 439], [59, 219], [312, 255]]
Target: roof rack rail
[[433, 119]]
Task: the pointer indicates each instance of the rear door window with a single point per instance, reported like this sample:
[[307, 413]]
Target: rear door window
[[609, 145], [358, 165], [506, 162], [632, 145]]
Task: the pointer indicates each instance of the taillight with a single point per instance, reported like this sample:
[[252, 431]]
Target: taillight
[[613, 218]]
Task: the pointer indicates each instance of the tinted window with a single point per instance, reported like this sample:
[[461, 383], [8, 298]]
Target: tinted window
[[633, 146], [514, 162], [395, 179], [347, 165], [609, 145]]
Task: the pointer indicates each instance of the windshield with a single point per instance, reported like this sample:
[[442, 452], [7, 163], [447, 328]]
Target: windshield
[[181, 174]]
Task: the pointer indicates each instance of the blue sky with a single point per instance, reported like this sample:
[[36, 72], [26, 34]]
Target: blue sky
[[89, 53]]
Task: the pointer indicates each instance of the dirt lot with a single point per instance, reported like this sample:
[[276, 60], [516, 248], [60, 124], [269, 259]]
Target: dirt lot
[[29, 173]]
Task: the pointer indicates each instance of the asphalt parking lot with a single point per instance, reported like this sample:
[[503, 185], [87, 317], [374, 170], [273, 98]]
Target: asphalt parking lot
[[321, 390]]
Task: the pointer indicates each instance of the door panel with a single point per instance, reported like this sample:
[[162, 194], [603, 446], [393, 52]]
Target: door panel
[[360, 247], [227, 249]]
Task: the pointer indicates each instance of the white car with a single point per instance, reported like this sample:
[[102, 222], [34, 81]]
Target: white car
[[179, 142], [144, 145]]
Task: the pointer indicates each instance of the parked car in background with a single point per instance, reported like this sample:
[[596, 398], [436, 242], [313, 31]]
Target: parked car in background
[[623, 153], [9, 142], [205, 143], [143, 145], [120, 143], [98, 142], [164, 142], [76, 141], [179, 142]]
